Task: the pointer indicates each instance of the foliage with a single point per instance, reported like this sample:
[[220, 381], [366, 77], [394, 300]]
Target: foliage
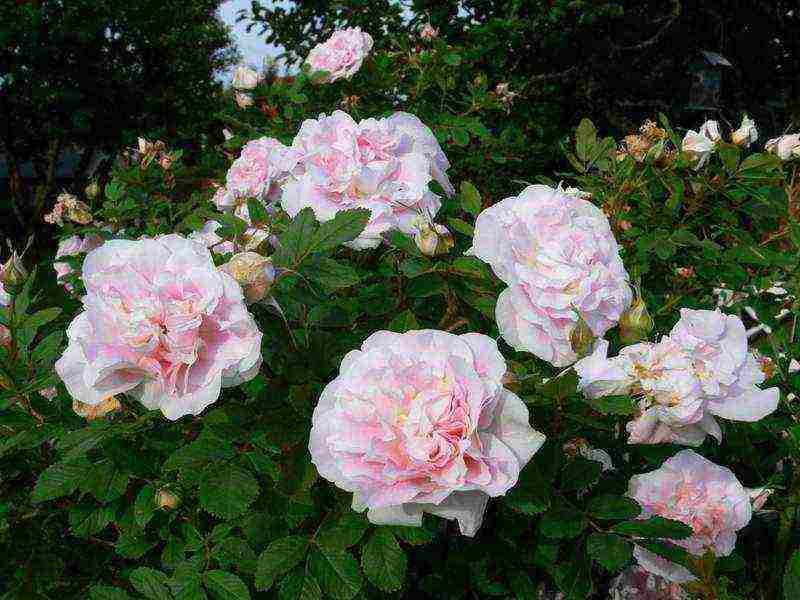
[[228, 504], [79, 79]]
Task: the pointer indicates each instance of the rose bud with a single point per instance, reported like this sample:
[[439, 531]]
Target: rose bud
[[635, 324], [166, 499], [253, 272], [13, 272], [582, 338], [434, 239], [746, 134]]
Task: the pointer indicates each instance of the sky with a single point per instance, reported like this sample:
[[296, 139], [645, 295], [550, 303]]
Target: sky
[[251, 45]]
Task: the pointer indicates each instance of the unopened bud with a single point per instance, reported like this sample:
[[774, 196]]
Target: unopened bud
[[253, 272], [635, 324], [13, 272], [92, 190], [166, 499], [582, 338], [434, 239], [244, 100]]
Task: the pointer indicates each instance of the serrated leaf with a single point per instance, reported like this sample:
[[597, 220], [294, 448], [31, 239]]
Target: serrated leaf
[[521, 585], [791, 577], [329, 274], [342, 533], [384, 561], [416, 536], [562, 523], [256, 212], [191, 460], [337, 573], [145, 505], [574, 576], [105, 482], [60, 479], [580, 473], [298, 585], [226, 586], [88, 520], [279, 558], [346, 226], [133, 544], [611, 507], [585, 139], [611, 551], [227, 491], [150, 583], [107, 592], [532, 494], [234, 552], [48, 348], [613, 405], [405, 321], [655, 527], [470, 198]]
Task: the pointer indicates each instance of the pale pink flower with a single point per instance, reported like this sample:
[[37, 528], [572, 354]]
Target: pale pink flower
[[258, 172], [341, 55], [210, 239], [702, 370], [785, 146], [710, 130], [255, 273], [73, 246], [560, 259], [420, 422], [5, 300], [428, 32], [381, 165], [161, 323], [695, 491], [636, 583], [746, 134]]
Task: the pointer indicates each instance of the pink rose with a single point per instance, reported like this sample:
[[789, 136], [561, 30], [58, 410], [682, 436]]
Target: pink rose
[[341, 55], [257, 173], [702, 370], [210, 239], [785, 146], [558, 256], [161, 323], [381, 165], [693, 490], [420, 422], [73, 246]]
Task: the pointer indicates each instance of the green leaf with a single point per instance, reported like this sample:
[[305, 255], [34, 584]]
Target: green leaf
[[226, 586], [611, 551], [41, 317], [191, 460], [145, 505], [452, 58], [60, 479], [655, 527], [132, 544], [234, 552], [470, 198], [522, 585], [574, 576], [416, 536], [298, 585], [48, 348], [279, 558], [580, 473], [227, 491], [347, 225], [343, 532], [106, 592], [256, 212], [383, 561], [150, 583], [612, 507], [585, 139], [532, 494], [105, 482], [405, 321], [88, 520], [613, 405], [294, 241], [337, 573], [563, 523], [791, 577], [759, 161], [329, 274], [403, 242]]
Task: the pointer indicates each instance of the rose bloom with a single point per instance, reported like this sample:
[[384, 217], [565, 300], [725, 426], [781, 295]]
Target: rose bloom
[[255, 273], [785, 146], [210, 239], [341, 55], [428, 32], [420, 422], [695, 491], [381, 165], [700, 144], [160, 323], [73, 246], [702, 370], [560, 259], [259, 170]]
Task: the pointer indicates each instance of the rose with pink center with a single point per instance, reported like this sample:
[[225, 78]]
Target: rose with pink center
[[375, 165], [695, 491], [341, 55], [160, 323], [420, 422], [558, 256]]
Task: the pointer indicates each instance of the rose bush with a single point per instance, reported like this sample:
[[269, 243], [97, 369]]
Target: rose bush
[[277, 365]]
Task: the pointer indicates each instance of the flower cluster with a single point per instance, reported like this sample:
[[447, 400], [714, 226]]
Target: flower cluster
[[161, 324], [67, 205], [700, 371], [341, 55], [420, 422], [382, 165], [699, 145], [561, 262], [695, 491]]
